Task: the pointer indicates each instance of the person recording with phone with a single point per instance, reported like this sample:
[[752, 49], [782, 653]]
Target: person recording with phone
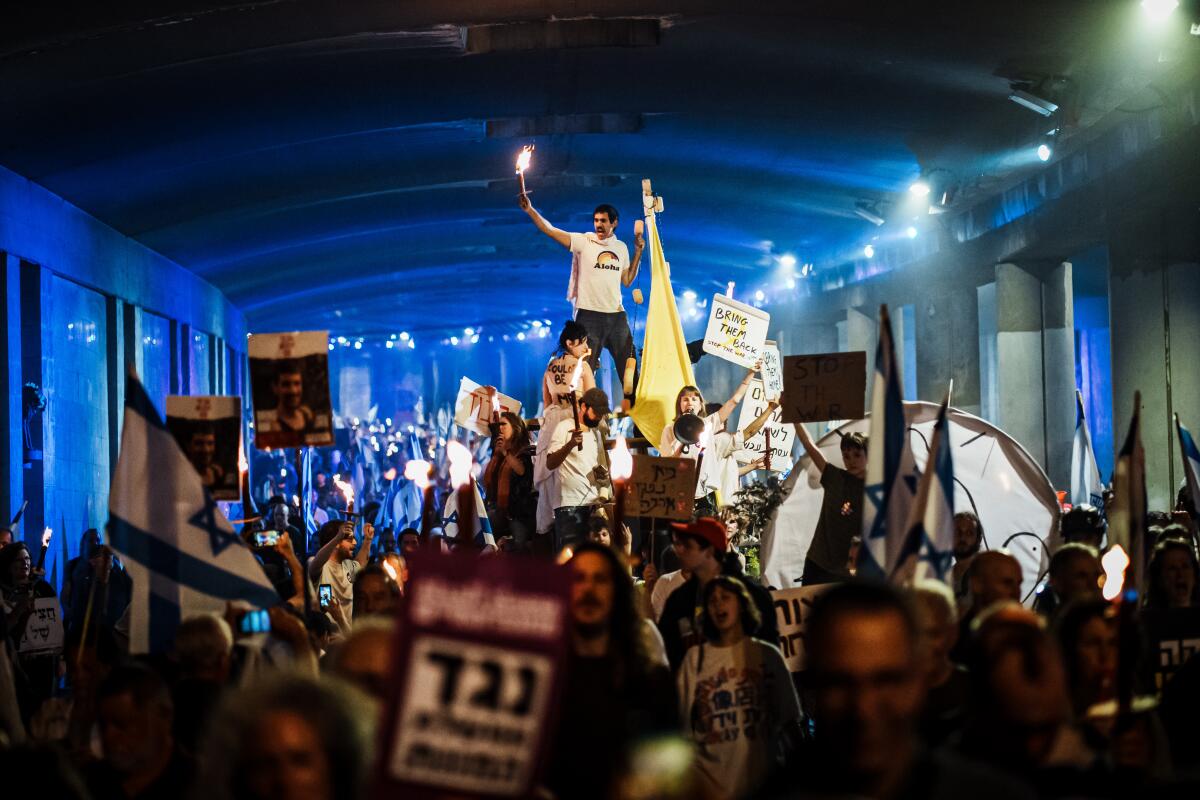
[[336, 562]]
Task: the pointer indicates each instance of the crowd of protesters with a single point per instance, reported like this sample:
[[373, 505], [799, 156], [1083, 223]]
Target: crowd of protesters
[[674, 685]]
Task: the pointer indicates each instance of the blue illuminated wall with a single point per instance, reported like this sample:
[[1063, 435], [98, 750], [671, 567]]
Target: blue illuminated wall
[[81, 302]]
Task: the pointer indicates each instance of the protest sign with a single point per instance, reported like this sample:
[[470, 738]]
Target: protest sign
[[736, 332], [209, 431], [826, 386], [772, 370], [792, 607], [661, 487], [479, 655], [474, 408], [783, 436], [289, 384], [44, 630]]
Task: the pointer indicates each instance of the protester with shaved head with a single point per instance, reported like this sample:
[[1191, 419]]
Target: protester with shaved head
[[865, 691], [994, 576]]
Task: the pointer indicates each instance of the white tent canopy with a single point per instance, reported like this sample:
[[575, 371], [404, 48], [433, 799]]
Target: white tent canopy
[[994, 476]]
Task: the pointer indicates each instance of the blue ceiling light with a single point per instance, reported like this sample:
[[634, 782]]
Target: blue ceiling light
[[911, 231], [869, 251], [919, 188], [1044, 151]]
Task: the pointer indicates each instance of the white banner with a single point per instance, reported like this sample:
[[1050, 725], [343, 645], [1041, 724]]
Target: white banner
[[783, 435], [736, 332], [772, 369], [44, 630], [474, 407]]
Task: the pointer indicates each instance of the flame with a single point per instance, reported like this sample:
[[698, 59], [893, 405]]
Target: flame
[[346, 489], [418, 472], [46, 534], [1114, 562], [565, 555], [523, 158], [620, 461], [390, 570], [460, 463], [576, 375], [495, 404], [243, 464], [390, 475], [729, 290]]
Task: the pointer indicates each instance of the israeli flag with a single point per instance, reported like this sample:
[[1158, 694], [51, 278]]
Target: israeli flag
[[483, 526], [891, 472], [929, 548], [181, 553], [1191, 461], [1085, 475]]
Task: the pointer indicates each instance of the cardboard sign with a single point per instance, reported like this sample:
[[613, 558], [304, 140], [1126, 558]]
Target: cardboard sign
[[209, 431], [44, 630], [783, 436], [791, 610], [474, 409], [736, 332], [826, 386], [772, 370], [664, 488], [289, 384], [479, 656]]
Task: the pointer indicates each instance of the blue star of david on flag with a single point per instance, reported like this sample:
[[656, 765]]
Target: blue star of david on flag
[[157, 505]]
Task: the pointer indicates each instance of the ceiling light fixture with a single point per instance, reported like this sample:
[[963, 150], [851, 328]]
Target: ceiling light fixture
[[869, 251], [869, 213], [1033, 102], [919, 188]]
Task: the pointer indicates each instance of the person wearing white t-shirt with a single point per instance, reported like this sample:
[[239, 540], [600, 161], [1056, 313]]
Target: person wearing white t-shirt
[[577, 458], [336, 562], [600, 266]]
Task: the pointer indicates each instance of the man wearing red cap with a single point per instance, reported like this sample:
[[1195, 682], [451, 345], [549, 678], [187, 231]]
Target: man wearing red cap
[[702, 548]]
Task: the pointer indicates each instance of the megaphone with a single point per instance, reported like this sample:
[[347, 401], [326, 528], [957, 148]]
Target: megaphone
[[688, 428]]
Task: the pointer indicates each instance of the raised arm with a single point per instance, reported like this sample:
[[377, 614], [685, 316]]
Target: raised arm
[[738, 393], [630, 274], [562, 237], [318, 561], [756, 426], [364, 550], [810, 447]]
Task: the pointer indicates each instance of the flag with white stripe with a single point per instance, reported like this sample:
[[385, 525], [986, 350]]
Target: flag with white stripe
[[891, 480], [181, 553], [929, 548], [1127, 517], [1191, 461], [1086, 486], [482, 527]]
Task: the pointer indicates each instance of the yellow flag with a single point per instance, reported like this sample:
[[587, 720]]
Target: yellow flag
[[666, 367]]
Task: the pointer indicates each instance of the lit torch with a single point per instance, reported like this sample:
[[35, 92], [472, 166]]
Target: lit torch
[[1124, 607], [523, 164], [347, 492], [460, 478], [729, 290], [417, 471], [573, 388], [47, 534], [620, 467]]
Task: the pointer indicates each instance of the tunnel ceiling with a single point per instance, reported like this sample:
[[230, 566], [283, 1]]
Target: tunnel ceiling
[[349, 165]]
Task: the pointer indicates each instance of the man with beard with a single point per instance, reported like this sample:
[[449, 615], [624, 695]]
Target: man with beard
[[201, 451], [576, 456], [600, 266], [968, 538], [291, 414], [614, 693]]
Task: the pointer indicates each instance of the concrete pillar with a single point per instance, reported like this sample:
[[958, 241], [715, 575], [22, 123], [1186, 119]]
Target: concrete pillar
[[10, 383], [948, 347], [862, 333], [1035, 364], [1154, 308]]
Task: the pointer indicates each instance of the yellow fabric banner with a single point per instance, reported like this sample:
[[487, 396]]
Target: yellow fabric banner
[[666, 367]]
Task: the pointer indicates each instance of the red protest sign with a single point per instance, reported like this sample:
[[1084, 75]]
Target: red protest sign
[[479, 658]]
